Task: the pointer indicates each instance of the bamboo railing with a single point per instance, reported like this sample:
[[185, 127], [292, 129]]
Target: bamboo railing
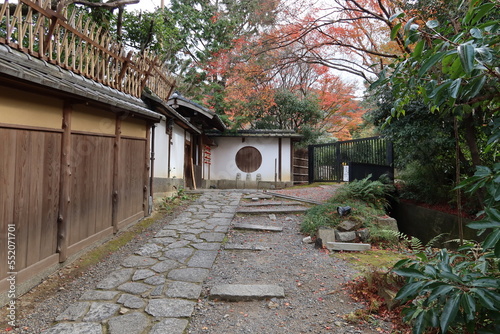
[[64, 38]]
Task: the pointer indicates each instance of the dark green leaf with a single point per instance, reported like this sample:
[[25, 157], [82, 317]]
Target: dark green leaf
[[409, 24], [420, 323], [476, 33], [430, 63], [411, 273], [466, 54], [480, 12], [469, 305], [450, 276], [401, 263], [432, 24], [417, 51], [483, 298], [486, 283], [475, 86], [492, 239], [395, 30], [483, 224], [410, 290], [439, 291], [397, 15], [450, 311], [455, 88]]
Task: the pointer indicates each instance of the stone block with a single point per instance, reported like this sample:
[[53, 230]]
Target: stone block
[[349, 225], [345, 236], [387, 223], [363, 234], [258, 227], [348, 246], [326, 235], [237, 292]]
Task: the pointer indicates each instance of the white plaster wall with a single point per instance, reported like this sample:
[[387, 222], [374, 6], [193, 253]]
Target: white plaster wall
[[161, 150], [177, 151], [224, 165]]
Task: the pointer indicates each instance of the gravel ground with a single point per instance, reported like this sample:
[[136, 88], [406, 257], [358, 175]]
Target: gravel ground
[[315, 300], [37, 309]]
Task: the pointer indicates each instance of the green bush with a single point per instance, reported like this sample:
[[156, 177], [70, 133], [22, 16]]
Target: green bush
[[425, 183], [459, 292], [375, 193]]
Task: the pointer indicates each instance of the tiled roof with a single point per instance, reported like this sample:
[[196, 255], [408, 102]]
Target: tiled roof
[[256, 133]]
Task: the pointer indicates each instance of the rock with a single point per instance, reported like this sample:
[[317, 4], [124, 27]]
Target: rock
[[348, 246], [345, 236], [307, 240], [363, 234], [388, 223], [349, 225], [326, 234], [132, 323], [237, 292], [170, 308]]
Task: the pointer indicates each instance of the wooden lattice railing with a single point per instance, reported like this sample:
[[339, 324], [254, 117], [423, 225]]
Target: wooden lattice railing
[[62, 37]]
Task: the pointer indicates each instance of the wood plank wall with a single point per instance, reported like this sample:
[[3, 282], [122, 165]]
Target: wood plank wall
[[29, 171], [30, 184]]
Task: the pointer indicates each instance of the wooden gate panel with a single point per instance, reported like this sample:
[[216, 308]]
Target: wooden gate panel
[[131, 182], [91, 191], [29, 172], [7, 182]]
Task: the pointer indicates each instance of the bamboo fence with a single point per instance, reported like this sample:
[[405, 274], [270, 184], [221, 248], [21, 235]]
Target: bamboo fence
[[66, 38]]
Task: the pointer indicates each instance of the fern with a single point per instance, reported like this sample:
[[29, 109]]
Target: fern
[[415, 244]]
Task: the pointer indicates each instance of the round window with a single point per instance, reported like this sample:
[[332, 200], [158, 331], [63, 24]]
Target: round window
[[248, 159]]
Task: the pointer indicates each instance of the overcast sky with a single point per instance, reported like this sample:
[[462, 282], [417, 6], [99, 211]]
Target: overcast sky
[[148, 5]]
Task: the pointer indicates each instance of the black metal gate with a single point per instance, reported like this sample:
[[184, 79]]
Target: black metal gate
[[358, 158]]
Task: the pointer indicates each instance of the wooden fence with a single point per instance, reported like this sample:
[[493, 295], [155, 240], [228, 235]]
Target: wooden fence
[[66, 38], [62, 190]]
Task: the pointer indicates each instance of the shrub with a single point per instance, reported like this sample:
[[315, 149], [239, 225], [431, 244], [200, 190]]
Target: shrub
[[375, 193], [459, 292]]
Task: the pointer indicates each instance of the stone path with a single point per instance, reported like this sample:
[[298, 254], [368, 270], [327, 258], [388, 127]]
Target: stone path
[[155, 290]]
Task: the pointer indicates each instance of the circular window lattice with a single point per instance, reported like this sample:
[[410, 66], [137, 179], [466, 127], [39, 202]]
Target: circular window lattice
[[248, 159]]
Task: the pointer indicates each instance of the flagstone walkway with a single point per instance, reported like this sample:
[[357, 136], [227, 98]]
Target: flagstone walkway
[[155, 290]]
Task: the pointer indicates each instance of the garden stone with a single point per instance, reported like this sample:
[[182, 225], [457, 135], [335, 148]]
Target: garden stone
[[101, 311], [349, 225], [132, 323], [115, 278], [345, 236], [170, 308], [170, 326]]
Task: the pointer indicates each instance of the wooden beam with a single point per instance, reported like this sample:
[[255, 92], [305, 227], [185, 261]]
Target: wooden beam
[[116, 172], [147, 168], [65, 185]]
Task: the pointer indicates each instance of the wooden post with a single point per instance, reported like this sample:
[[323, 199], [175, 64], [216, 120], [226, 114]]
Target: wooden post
[[116, 173], [65, 185], [147, 168]]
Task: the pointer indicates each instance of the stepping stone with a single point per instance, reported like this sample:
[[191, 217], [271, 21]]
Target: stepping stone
[[132, 323], [244, 247], [75, 328], [258, 227], [272, 210], [348, 246], [170, 325], [170, 308], [237, 292]]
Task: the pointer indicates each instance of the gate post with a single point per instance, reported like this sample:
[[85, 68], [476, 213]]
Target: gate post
[[310, 163]]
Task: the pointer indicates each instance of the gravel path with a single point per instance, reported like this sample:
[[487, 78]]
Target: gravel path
[[315, 301]]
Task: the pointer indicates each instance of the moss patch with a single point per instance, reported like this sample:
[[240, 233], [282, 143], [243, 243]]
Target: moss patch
[[378, 258]]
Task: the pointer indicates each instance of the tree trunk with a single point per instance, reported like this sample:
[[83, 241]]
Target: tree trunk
[[471, 139]]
